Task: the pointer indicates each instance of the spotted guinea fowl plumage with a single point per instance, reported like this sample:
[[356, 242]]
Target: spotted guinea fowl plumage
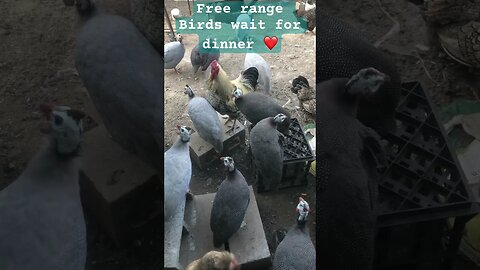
[[347, 160], [42, 225], [205, 120], [177, 173], [296, 251], [257, 106], [341, 52], [123, 74], [230, 204], [267, 152]]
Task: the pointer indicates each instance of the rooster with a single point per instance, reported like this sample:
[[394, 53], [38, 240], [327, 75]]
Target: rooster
[[220, 89]]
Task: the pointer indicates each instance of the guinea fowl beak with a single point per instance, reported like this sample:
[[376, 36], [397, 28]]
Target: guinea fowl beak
[[234, 265], [222, 158], [46, 109]]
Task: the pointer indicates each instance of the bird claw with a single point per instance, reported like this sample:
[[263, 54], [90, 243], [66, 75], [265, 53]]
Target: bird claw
[[189, 195], [176, 70], [243, 225]]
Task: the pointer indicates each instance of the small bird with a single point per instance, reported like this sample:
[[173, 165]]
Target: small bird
[[342, 52], [205, 120], [264, 72], [307, 11], [173, 53], [123, 75], [177, 173], [220, 89], [267, 152], [215, 260], [230, 205], [243, 34], [349, 156], [42, 224], [203, 59], [296, 251], [305, 94], [257, 106]]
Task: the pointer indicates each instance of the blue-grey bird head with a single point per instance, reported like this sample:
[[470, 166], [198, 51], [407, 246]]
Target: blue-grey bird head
[[189, 91], [302, 211], [184, 133], [65, 128], [228, 163], [366, 81], [237, 92], [279, 118]]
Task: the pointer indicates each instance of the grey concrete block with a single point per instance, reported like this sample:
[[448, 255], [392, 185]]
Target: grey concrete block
[[118, 189], [249, 244]]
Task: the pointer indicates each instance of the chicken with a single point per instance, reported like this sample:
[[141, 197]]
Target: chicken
[[305, 94], [307, 11], [215, 260], [220, 89]]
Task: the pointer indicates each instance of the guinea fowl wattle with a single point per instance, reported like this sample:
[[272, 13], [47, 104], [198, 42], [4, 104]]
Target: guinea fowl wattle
[[42, 225], [267, 152], [348, 156], [230, 205], [205, 120], [342, 51], [296, 251], [123, 74]]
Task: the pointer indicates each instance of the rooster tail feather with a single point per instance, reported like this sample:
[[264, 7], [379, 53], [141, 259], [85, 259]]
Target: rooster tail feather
[[250, 76]]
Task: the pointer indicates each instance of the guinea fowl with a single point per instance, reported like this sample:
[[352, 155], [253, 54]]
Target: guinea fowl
[[267, 152], [230, 205], [203, 59], [264, 72], [123, 74], [42, 226], [342, 52], [305, 94], [220, 89], [257, 106], [349, 156], [205, 120], [215, 260], [296, 251], [173, 53], [307, 12], [177, 173]]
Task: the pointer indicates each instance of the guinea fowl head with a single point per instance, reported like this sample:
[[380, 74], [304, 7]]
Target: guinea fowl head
[[279, 118], [179, 38], [184, 133], [366, 81], [65, 128], [189, 91], [215, 68], [229, 163], [302, 210], [237, 92]]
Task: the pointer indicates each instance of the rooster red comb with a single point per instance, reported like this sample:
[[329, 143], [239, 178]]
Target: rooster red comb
[[46, 109]]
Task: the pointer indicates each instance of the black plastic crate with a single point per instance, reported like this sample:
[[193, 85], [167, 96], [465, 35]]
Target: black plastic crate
[[297, 158], [423, 174]]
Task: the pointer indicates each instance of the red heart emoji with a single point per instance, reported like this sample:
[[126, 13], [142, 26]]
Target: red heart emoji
[[270, 42]]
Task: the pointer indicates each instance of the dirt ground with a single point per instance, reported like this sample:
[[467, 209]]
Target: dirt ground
[[36, 65]]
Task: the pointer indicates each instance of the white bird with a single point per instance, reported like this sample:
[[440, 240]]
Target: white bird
[[42, 226]]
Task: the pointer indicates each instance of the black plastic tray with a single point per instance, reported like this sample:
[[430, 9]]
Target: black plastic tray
[[422, 174], [296, 146]]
